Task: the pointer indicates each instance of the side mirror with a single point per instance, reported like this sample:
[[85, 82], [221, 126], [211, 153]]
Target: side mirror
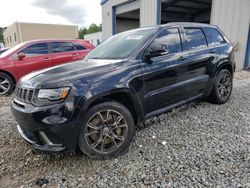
[[21, 56], [157, 50]]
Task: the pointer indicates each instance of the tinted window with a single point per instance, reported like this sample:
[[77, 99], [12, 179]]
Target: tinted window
[[195, 38], [171, 39], [58, 47], [36, 49], [213, 37], [79, 47], [121, 45], [3, 50]]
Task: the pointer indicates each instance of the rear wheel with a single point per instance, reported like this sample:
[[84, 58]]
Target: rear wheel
[[6, 84], [222, 88], [107, 130]]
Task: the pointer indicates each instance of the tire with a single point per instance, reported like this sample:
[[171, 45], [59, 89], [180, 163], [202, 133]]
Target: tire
[[107, 130], [222, 88], [6, 84]]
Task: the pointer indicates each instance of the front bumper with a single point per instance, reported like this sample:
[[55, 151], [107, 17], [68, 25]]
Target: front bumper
[[47, 146], [50, 128]]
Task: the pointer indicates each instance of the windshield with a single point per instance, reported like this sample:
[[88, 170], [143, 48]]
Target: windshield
[[121, 45], [11, 50]]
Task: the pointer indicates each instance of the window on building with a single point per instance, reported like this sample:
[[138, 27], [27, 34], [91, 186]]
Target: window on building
[[171, 39], [10, 40], [15, 37], [36, 49], [195, 38], [58, 47], [213, 36], [79, 47]]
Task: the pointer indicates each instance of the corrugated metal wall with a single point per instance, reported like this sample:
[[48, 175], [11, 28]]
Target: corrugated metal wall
[[233, 17], [148, 14], [107, 16]]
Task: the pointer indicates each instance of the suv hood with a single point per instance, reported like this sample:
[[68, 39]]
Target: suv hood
[[63, 75]]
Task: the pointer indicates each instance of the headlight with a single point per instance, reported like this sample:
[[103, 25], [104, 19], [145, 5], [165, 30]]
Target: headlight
[[51, 96]]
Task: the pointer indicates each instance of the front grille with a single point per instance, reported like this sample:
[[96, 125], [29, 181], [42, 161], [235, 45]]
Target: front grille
[[24, 95]]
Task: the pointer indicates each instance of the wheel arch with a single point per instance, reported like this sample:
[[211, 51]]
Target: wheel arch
[[226, 65], [8, 73], [123, 96]]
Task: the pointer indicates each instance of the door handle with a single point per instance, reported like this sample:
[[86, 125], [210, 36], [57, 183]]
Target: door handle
[[46, 59], [212, 51], [181, 58], [75, 54]]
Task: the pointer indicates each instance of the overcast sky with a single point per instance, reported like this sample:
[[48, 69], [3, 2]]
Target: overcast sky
[[72, 12]]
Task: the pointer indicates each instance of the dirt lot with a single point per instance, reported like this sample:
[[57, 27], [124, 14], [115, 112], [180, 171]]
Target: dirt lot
[[196, 145]]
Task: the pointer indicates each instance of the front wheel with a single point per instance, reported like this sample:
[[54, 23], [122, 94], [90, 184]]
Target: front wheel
[[222, 88], [107, 130]]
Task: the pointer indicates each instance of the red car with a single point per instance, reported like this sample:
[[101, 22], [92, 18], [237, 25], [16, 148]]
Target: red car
[[34, 55]]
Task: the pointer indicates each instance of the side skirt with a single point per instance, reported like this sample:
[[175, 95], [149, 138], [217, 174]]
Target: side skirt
[[168, 108]]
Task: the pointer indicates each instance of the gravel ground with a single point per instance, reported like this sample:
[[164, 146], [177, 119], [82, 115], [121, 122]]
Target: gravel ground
[[196, 145]]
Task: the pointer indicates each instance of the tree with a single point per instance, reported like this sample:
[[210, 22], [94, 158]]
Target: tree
[[93, 28], [82, 32], [1, 34], [1, 37]]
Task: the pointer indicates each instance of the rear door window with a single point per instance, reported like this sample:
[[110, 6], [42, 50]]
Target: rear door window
[[79, 47], [213, 36], [36, 50], [169, 38], [58, 47], [195, 38]]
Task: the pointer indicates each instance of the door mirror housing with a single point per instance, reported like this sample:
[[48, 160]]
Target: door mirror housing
[[157, 50], [21, 56]]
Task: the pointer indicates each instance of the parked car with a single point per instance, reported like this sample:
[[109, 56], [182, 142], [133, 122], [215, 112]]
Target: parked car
[[2, 50], [2, 45], [95, 104], [39, 54]]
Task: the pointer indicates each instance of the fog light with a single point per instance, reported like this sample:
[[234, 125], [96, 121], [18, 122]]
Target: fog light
[[54, 119]]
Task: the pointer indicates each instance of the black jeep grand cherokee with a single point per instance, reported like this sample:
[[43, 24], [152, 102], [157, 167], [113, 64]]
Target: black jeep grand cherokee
[[94, 104]]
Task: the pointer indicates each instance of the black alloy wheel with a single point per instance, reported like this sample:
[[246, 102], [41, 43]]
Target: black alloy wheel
[[107, 132], [222, 88]]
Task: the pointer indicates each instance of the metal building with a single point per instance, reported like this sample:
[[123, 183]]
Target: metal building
[[232, 16], [19, 32]]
